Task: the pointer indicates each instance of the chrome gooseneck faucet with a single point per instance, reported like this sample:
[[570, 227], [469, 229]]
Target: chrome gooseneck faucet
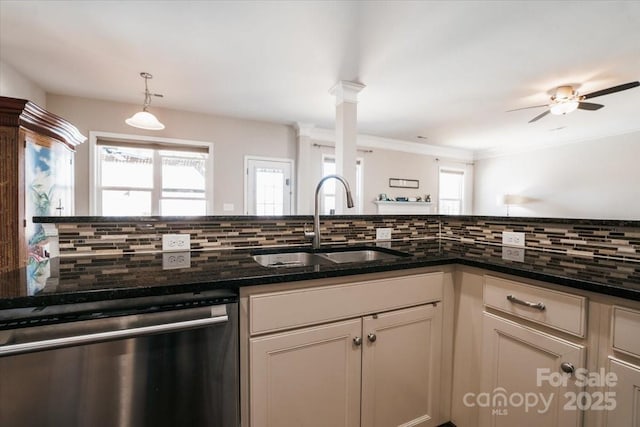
[[316, 212]]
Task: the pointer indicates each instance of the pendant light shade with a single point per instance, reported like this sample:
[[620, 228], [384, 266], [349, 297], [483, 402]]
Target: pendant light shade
[[144, 119]]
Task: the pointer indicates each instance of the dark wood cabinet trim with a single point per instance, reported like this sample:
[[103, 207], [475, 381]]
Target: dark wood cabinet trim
[[21, 112]]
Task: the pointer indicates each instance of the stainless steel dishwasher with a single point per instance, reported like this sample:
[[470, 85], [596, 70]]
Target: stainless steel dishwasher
[[153, 361]]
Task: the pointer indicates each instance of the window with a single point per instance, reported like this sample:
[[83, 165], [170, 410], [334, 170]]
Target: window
[[329, 187], [141, 179], [451, 192]]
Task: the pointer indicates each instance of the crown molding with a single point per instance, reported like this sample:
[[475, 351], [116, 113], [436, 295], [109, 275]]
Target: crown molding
[[510, 151], [304, 129], [329, 135]]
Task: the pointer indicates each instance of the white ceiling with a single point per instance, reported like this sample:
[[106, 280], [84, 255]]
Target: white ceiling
[[445, 70]]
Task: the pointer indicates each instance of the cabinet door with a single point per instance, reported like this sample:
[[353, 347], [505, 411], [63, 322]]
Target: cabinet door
[[401, 367], [48, 192], [627, 395], [513, 357], [307, 377]]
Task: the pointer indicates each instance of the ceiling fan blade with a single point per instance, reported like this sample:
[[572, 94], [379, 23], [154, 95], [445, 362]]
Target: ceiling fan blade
[[526, 108], [613, 89], [589, 106], [539, 116]]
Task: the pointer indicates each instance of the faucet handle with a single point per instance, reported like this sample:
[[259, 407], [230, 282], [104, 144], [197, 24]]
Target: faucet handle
[[308, 234]]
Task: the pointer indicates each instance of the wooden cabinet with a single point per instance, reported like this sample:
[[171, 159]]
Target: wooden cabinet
[[36, 179], [308, 377], [626, 395], [623, 360], [401, 367], [524, 363], [518, 361], [380, 368]]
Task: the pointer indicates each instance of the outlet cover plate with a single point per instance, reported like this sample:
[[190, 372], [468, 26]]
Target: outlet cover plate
[[513, 254], [511, 238], [175, 260], [176, 242], [383, 233]]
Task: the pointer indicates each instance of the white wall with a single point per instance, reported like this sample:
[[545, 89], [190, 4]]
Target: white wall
[[232, 138], [589, 179], [14, 85]]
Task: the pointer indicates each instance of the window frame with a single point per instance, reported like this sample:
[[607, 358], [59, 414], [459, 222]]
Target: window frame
[[95, 185], [358, 186], [457, 171]]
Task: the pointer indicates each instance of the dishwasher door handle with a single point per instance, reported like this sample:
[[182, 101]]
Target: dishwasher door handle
[[29, 347]]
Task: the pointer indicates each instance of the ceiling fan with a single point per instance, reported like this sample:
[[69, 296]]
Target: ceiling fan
[[566, 100]]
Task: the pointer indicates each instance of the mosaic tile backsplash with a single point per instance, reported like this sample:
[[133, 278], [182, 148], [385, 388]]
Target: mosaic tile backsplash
[[140, 236], [587, 238], [580, 238]]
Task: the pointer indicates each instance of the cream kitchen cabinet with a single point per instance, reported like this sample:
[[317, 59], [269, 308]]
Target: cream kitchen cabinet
[[625, 394], [359, 354], [307, 377], [624, 362], [527, 371], [513, 358]]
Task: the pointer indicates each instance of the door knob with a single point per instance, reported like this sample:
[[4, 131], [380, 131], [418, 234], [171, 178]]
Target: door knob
[[567, 368], [372, 337]]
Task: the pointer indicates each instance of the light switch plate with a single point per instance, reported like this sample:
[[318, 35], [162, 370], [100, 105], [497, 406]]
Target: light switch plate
[[383, 233], [511, 238], [175, 260], [176, 242]]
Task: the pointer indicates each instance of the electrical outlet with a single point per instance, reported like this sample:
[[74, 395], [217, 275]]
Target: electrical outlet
[[383, 233], [176, 242], [513, 254], [510, 238], [174, 260]]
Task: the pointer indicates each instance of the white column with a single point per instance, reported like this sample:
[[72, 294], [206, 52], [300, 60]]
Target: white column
[[346, 94], [304, 186]]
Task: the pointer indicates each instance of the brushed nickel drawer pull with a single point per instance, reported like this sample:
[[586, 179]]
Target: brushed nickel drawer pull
[[537, 305]]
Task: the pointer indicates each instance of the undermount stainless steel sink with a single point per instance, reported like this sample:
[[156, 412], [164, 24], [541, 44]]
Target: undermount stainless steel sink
[[364, 255], [332, 256], [289, 259]]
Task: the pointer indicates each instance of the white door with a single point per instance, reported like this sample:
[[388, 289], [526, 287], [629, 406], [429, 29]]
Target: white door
[[268, 187]]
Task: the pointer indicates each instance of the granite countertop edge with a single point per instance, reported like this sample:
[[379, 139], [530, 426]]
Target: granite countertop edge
[[272, 276]]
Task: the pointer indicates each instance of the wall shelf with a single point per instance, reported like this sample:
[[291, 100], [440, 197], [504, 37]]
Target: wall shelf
[[400, 208]]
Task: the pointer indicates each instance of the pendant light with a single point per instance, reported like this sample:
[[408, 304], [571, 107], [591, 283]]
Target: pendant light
[[144, 119]]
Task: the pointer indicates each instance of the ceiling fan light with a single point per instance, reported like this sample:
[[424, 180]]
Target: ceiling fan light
[[564, 107], [144, 120]]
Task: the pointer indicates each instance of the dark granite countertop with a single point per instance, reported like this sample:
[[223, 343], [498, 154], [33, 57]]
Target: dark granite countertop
[[85, 279]]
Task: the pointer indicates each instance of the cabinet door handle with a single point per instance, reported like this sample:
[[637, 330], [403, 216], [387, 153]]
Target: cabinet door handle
[[567, 368], [357, 341], [372, 337], [537, 305]]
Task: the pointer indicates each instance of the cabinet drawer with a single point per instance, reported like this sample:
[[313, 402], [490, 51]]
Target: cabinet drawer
[[626, 324], [558, 310], [290, 309]]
